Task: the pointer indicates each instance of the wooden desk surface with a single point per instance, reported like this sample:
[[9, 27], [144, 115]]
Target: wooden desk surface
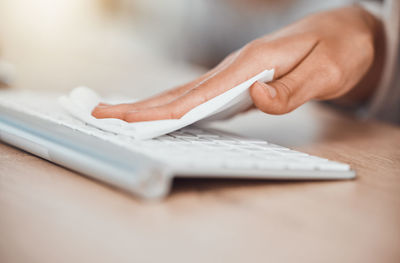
[[50, 214]]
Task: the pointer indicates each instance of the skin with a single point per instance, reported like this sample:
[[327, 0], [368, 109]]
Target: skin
[[321, 57]]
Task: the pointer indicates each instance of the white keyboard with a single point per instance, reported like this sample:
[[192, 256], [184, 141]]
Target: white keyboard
[[196, 148], [195, 151]]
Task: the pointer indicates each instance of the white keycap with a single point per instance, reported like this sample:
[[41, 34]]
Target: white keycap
[[195, 147]]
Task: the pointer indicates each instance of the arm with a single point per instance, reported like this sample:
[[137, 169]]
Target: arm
[[321, 57]]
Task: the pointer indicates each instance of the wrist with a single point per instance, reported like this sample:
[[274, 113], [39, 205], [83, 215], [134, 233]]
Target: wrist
[[370, 13], [364, 89]]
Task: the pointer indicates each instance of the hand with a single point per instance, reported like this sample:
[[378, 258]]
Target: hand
[[320, 57]]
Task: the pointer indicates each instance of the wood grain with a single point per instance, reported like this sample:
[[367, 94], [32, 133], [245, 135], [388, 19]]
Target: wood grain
[[50, 214]]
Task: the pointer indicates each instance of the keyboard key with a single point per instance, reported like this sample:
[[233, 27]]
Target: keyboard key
[[301, 166], [271, 165], [333, 166], [191, 146]]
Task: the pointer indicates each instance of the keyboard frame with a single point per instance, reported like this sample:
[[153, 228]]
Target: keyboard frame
[[91, 156], [127, 169]]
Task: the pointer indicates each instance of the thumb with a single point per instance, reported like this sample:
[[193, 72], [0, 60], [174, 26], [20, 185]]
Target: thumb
[[303, 83], [274, 98]]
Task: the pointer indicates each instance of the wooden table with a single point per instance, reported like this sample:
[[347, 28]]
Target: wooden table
[[50, 214]]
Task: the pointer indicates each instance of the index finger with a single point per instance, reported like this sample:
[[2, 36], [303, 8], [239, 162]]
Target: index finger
[[119, 110], [206, 90], [282, 55]]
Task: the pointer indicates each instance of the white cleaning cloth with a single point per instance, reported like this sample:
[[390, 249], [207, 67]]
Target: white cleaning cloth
[[81, 101]]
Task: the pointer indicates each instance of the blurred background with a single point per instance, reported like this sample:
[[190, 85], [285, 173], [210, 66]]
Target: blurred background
[[138, 47], [108, 44]]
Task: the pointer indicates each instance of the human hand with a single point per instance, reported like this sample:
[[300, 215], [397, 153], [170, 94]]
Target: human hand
[[322, 56]]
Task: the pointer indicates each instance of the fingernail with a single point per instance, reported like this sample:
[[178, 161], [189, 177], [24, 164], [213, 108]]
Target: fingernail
[[271, 90]]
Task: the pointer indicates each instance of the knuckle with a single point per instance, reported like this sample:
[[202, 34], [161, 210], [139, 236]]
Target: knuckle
[[174, 113], [279, 105], [200, 95], [253, 49], [175, 92], [95, 111], [99, 112], [257, 97], [257, 54], [332, 72], [366, 43], [257, 43], [284, 88], [228, 59], [128, 117]]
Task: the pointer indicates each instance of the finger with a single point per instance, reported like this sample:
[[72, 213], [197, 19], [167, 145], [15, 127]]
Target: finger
[[157, 113], [209, 88], [245, 65], [317, 75], [253, 55], [272, 98], [282, 54], [118, 111], [115, 111], [151, 114]]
